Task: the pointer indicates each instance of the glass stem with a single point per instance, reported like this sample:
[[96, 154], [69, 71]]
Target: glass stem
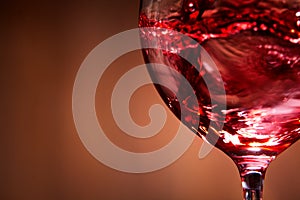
[[252, 183], [252, 171]]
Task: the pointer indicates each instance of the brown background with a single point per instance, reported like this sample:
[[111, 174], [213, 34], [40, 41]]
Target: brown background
[[41, 156]]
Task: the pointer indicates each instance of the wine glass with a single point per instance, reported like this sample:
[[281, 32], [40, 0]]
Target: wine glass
[[255, 46]]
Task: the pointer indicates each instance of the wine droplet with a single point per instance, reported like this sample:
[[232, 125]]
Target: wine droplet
[[193, 9]]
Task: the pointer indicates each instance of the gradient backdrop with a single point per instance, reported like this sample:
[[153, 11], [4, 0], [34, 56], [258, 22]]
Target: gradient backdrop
[[43, 44]]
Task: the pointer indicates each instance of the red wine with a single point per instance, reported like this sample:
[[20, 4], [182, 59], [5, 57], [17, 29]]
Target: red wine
[[256, 47]]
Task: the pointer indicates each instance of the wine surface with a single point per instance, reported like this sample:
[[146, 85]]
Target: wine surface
[[256, 48]]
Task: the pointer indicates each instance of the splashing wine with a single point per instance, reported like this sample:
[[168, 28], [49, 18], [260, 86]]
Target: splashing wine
[[256, 47]]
